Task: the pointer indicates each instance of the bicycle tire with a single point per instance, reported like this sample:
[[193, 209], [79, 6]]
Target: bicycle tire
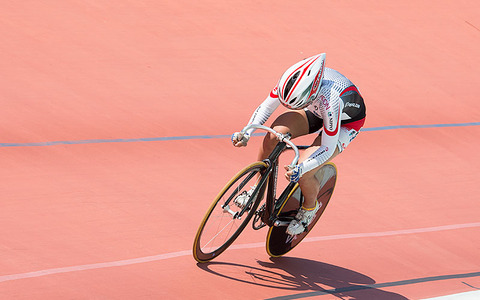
[[205, 246], [278, 241]]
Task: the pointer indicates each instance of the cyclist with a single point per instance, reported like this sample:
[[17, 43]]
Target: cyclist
[[316, 97]]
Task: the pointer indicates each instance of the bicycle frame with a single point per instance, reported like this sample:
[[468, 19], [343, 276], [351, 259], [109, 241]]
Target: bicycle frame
[[272, 205], [272, 166]]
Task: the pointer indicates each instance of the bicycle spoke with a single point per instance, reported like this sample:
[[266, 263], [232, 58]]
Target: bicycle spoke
[[225, 221], [216, 235]]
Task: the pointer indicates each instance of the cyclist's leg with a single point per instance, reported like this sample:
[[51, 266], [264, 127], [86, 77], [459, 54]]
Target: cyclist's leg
[[308, 183], [294, 121]]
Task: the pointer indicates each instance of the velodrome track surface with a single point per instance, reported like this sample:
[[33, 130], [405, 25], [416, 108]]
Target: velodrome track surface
[[115, 127]]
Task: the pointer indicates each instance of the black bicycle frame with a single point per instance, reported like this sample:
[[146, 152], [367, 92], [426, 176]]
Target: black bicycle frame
[[271, 204], [272, 164]]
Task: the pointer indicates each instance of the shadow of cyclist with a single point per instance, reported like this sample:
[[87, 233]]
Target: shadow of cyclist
[[312, 277], [328, 279]]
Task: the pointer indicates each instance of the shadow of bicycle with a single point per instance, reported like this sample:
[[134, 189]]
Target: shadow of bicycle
[[311, 277]]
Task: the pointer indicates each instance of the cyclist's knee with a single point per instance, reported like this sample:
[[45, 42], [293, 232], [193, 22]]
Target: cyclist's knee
[[269, 139], [272, 138]]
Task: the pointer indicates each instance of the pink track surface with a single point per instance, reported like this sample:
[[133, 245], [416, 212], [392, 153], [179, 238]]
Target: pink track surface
[[116, 220]]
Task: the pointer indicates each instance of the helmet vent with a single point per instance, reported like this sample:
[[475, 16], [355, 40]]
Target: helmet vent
[[292, 101], [290, 83]]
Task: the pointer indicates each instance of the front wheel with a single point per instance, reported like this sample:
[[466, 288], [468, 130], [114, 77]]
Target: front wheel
[[225, 220]]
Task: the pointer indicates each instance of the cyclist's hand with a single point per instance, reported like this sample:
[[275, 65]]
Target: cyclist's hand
[[240, 139], [294, 174]]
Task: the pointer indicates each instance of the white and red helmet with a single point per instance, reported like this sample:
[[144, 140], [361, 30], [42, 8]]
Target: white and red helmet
[[300, 84]]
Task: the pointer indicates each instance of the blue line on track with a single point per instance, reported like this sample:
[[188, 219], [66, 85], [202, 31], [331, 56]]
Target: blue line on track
[[202, 137]]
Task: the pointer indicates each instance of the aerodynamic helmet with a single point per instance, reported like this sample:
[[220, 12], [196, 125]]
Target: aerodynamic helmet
[[300, 84]]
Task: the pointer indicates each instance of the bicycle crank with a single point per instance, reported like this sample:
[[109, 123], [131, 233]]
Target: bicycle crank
[[257, 220]]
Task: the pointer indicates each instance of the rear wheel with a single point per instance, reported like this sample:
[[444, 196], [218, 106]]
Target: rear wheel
[[225, 220], [278, 241]]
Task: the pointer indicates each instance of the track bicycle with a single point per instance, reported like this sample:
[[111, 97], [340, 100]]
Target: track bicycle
[[225, 220]]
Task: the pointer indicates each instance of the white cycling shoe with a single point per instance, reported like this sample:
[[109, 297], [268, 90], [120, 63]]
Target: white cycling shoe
[[303, 218], [242, 199]]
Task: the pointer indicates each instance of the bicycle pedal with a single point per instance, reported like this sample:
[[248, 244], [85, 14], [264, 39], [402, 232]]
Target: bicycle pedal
[[257, 222], [260, 226], [279, 223]]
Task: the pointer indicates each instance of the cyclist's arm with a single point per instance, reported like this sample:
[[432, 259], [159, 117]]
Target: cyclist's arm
[[265, 110], [331, 131]]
